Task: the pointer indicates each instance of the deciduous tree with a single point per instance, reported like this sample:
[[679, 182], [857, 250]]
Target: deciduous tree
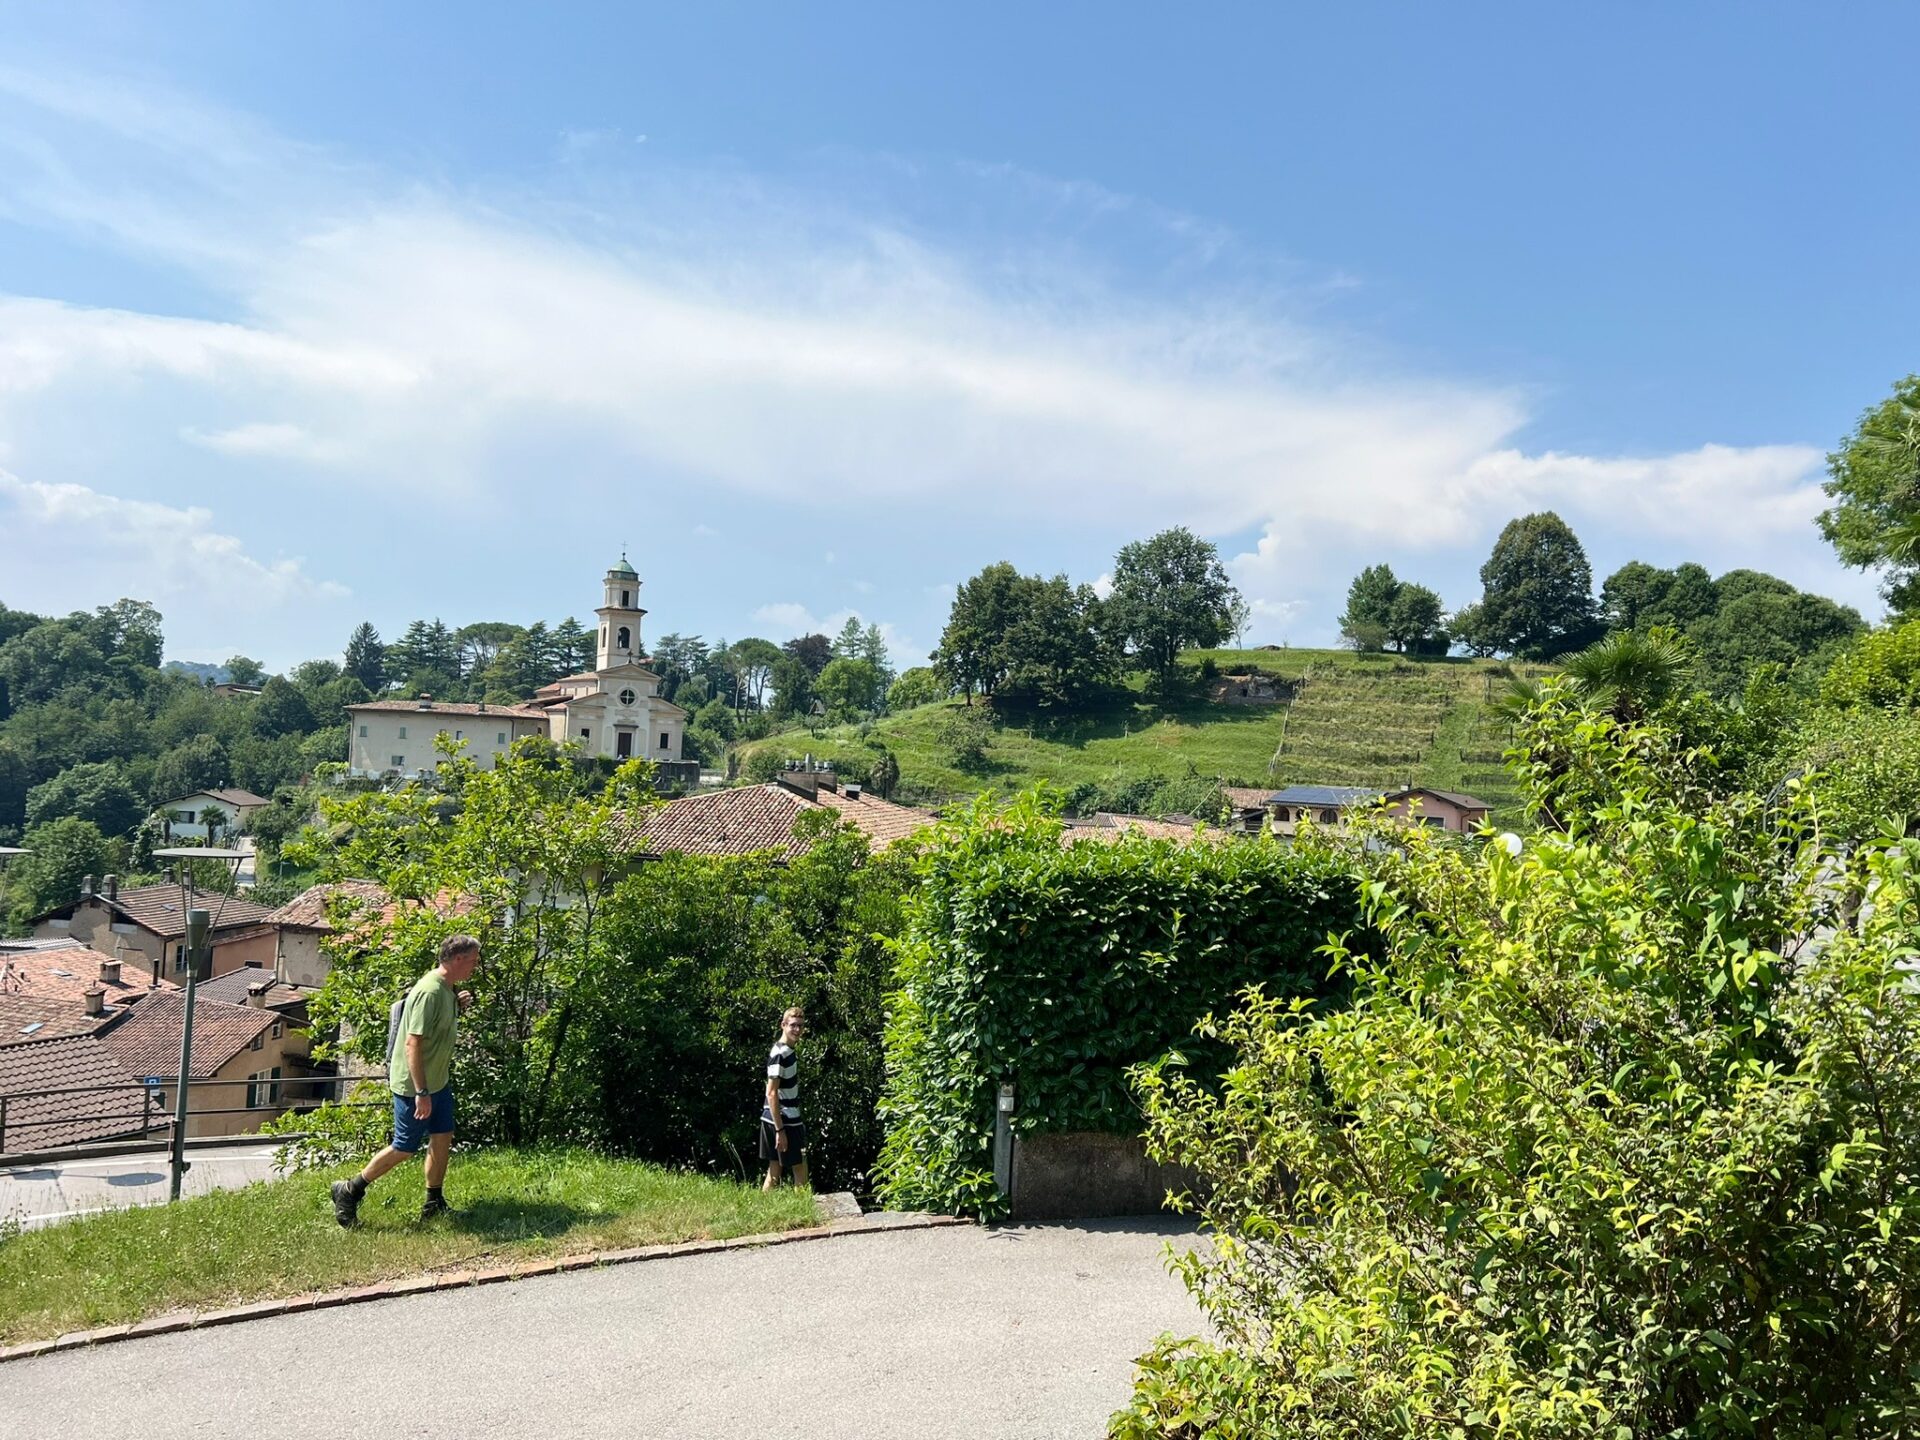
[[1169, 593]]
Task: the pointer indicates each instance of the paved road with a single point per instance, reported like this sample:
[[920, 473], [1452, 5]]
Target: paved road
[[58, 1190], [1022, 1332]]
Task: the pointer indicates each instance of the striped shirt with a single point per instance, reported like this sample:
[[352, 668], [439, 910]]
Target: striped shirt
[[784, 1066]]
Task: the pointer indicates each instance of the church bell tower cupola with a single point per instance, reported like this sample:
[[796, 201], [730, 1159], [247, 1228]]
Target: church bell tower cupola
[[619, 638]]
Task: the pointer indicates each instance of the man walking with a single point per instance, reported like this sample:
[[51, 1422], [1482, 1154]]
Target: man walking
[[420, 1075], [783, 1138]]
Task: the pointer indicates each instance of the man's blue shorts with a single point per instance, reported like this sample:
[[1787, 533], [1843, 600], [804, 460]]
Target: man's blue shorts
[[409, 1134]]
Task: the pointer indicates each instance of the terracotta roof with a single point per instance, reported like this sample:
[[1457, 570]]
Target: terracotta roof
[[25, 1018], [762, 817], [156, 909], [1107, 825], [233, 987], [443, 707], [147, 1042], [67, 974], [55, 1120], [308, 909]]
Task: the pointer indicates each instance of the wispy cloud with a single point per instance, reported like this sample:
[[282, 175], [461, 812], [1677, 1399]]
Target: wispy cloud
[[767, 346]]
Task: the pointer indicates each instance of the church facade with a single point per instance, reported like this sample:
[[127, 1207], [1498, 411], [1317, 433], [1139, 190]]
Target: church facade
[[614, 710]]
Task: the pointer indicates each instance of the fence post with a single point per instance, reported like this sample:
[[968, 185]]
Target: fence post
[[1003, 1139]]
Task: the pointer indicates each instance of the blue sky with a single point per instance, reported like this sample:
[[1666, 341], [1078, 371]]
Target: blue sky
[[317, 314]]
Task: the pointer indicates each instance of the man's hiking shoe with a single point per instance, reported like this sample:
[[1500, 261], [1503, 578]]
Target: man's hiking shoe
[[439, 1210], [346, 1203]]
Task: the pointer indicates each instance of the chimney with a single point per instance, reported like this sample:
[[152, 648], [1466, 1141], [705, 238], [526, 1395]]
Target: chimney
[[113, 887], [96, 1000], [109, 972], [426, 700], [86, 887], [853, 791], [156, 972], [257, 994]]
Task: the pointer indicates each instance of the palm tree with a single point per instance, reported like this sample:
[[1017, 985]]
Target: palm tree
[[1631, 672]]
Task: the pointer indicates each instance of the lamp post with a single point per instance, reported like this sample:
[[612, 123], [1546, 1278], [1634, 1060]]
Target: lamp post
[[199, 936]]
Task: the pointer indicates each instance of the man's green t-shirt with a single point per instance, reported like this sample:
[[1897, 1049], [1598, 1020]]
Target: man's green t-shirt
[[430, 1012]]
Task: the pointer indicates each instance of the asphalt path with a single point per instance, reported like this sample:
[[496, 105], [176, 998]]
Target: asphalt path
[[38, 1195], [1024, 1332]]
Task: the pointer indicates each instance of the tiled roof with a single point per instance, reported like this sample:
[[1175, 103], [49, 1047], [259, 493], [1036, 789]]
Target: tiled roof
[[147, 1042], [241, 799], [55, 1120], [1246, 797], [1107, 825], [45, 1017], [1465, 802], [308, 909], [1339, 796], [444, 707], [762, 817], [156, 908], [67, 974], [233, 987]]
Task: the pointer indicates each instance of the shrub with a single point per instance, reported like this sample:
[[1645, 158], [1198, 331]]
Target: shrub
[[1586, 1156], [1882, 667], [1058, 968]]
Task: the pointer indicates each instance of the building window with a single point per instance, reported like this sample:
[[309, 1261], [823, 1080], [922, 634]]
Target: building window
[[256, 1042], [501, 738], [627, 697], [179, 958], [625, 639], [664, 738], [261, 1091], [586, 733], [626, 600], [363, 732], [403, 732], [1329, 817], [277, 1029], [399, 762]]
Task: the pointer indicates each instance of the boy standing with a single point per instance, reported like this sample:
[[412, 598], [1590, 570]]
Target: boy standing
[[783, 1136]]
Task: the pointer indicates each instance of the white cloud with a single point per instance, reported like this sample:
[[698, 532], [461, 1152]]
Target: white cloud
[[112, 546], [767, 347], [705, 532], [1103, 587], [790, 618]]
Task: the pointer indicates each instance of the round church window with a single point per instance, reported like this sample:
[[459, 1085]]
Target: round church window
[[626, 697]]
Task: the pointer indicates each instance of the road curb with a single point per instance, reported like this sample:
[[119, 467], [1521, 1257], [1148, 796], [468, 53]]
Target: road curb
[[878, 1223]]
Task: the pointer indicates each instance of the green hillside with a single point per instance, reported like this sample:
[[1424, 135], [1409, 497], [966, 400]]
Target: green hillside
[[1339, 718]]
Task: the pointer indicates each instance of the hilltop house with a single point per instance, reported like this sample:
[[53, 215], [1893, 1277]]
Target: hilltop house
[[1328, 805], [201, 814], [615, 710]]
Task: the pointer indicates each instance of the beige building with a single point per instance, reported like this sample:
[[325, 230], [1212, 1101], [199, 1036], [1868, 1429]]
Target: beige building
[[144, 925], [245, 1052], [614, 710]]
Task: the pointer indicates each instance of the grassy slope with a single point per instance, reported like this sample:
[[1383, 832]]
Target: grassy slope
[[1357, 719], [280, 1238]]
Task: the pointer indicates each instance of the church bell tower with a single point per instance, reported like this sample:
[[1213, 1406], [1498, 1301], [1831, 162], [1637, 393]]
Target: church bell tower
[[620, 619]]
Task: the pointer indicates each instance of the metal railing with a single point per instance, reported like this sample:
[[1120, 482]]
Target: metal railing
[[152, 1122]]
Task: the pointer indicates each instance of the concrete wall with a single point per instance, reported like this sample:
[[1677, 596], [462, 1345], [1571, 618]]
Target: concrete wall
[[299, 959], [1086, 1174], [375, 737], [251, 947]]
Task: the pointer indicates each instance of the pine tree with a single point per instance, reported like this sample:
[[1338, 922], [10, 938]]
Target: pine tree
[[366, 658]]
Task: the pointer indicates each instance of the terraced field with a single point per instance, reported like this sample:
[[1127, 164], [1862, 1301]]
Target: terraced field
[[1350, 719]]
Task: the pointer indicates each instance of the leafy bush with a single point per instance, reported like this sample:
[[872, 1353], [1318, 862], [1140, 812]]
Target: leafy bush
[[964, 733], [1880, 668], [1059, 967], [1619, 1138]]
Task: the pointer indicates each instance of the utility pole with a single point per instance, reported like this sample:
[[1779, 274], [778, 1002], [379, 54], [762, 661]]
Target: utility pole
[[196, 955]]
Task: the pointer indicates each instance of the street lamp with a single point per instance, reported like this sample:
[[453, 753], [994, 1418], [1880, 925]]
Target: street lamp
[[199, 957]]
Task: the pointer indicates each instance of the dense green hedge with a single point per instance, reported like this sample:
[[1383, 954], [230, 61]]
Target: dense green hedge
[[1058, 967]]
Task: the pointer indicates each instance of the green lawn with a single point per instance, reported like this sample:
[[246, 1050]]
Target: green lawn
[[1353, 719], [280, 1238]]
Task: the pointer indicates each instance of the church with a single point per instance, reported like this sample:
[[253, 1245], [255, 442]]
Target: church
[[615, 709]]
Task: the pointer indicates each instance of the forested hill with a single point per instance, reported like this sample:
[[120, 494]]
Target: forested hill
[[1313, 716]]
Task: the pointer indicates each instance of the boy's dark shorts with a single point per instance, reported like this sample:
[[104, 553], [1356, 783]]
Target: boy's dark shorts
[[794, 1154], [409, 1134]]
